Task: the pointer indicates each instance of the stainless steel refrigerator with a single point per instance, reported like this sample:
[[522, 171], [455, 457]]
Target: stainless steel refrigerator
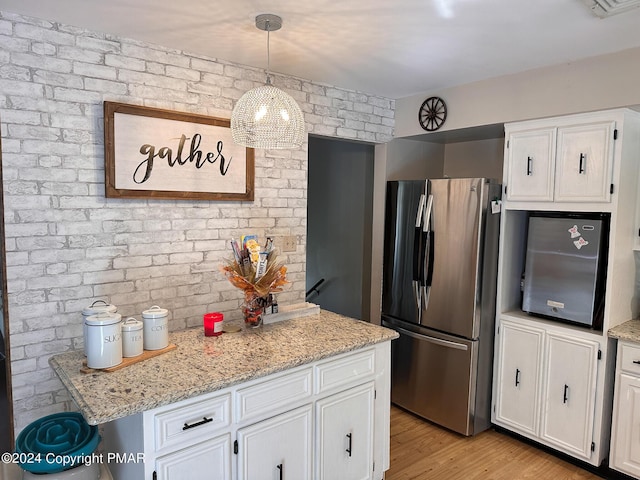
[[439, 285]]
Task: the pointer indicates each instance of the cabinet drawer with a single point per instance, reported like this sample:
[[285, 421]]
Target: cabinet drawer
[[269, 397], [191, 422], [629, 354], [345, 371]]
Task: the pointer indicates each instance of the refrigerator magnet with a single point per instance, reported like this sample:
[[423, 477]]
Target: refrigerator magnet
[[574, 231], [581, 242]]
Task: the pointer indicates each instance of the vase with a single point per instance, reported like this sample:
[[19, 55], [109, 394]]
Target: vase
[[252, 315]]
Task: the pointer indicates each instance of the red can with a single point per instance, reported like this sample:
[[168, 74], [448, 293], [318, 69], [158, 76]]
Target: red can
[[213, 324]]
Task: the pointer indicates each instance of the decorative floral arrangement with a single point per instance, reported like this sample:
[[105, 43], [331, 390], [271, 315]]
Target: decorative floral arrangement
[[258, 273]]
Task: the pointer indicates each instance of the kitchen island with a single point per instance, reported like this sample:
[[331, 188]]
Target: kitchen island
[[308, 395]]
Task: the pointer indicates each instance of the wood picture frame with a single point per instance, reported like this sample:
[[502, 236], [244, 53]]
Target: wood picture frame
[[163, 154]]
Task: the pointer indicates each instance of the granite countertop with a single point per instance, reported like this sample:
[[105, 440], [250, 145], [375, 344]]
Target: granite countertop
[[629, 330], [202, 364]]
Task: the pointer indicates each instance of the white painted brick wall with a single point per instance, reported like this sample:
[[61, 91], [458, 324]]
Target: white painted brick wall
[[68, 245]]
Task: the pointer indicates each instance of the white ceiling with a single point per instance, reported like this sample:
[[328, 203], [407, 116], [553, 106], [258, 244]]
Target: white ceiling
[[394, 48]]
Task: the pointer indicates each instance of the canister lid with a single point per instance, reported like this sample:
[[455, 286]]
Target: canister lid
[[155, 312], [131, 324], [99, 306], [104, 318]]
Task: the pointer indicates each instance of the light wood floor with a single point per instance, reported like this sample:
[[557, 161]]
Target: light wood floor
[[422, 451]]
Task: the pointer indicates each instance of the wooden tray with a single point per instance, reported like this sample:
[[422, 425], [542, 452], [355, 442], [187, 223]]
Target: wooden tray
[[126, 361]]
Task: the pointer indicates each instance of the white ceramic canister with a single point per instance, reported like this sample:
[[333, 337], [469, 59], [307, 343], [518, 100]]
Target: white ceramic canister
[[132, 344], [156, 328], [104, 340], [99, 306]]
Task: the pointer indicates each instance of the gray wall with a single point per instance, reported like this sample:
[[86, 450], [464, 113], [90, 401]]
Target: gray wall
[[414, 159], [339, 225], [481, 158]]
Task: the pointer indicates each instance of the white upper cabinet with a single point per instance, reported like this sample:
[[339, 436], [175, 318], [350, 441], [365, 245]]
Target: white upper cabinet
[[567, 163], [530, 165], [584, 162]]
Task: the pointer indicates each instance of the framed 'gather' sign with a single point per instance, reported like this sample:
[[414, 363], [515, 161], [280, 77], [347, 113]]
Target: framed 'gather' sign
[[150, 152]]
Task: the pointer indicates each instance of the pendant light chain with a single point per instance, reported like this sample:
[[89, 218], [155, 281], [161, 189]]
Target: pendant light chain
[[268, 55]]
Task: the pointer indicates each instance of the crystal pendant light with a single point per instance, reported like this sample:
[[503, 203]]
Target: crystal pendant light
[[265, 116]]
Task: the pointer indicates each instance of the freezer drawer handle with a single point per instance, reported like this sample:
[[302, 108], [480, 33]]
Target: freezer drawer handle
[[349, 436], [583, 157], [437, 341], [529, 163], [637, 362], [565, 396], [517, 377]]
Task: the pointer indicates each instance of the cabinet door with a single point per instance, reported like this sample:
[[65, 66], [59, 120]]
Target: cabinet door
[[569, 394], [209, 460], [344, 429], [278, 448], [518, 377], [530, 165], [584, 161], [625, 443]]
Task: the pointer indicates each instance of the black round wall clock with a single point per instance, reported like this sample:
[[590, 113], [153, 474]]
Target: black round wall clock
[[432, 113]]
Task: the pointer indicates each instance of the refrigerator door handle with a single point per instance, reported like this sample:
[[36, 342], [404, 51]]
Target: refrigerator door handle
[[434, 340], [418, 252], [420, 211], [417, 296], [427, 274], [426, 225], [427, 262]]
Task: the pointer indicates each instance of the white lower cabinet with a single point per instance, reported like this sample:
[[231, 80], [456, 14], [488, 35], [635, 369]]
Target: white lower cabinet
[[545, 386], [518, 377], [210, 459], [345, 435], [569, 393], [625, 433], [325, 420], [278, 448]]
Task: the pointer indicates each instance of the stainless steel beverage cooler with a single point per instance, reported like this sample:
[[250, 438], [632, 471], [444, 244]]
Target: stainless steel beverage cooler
[[565, 267]]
